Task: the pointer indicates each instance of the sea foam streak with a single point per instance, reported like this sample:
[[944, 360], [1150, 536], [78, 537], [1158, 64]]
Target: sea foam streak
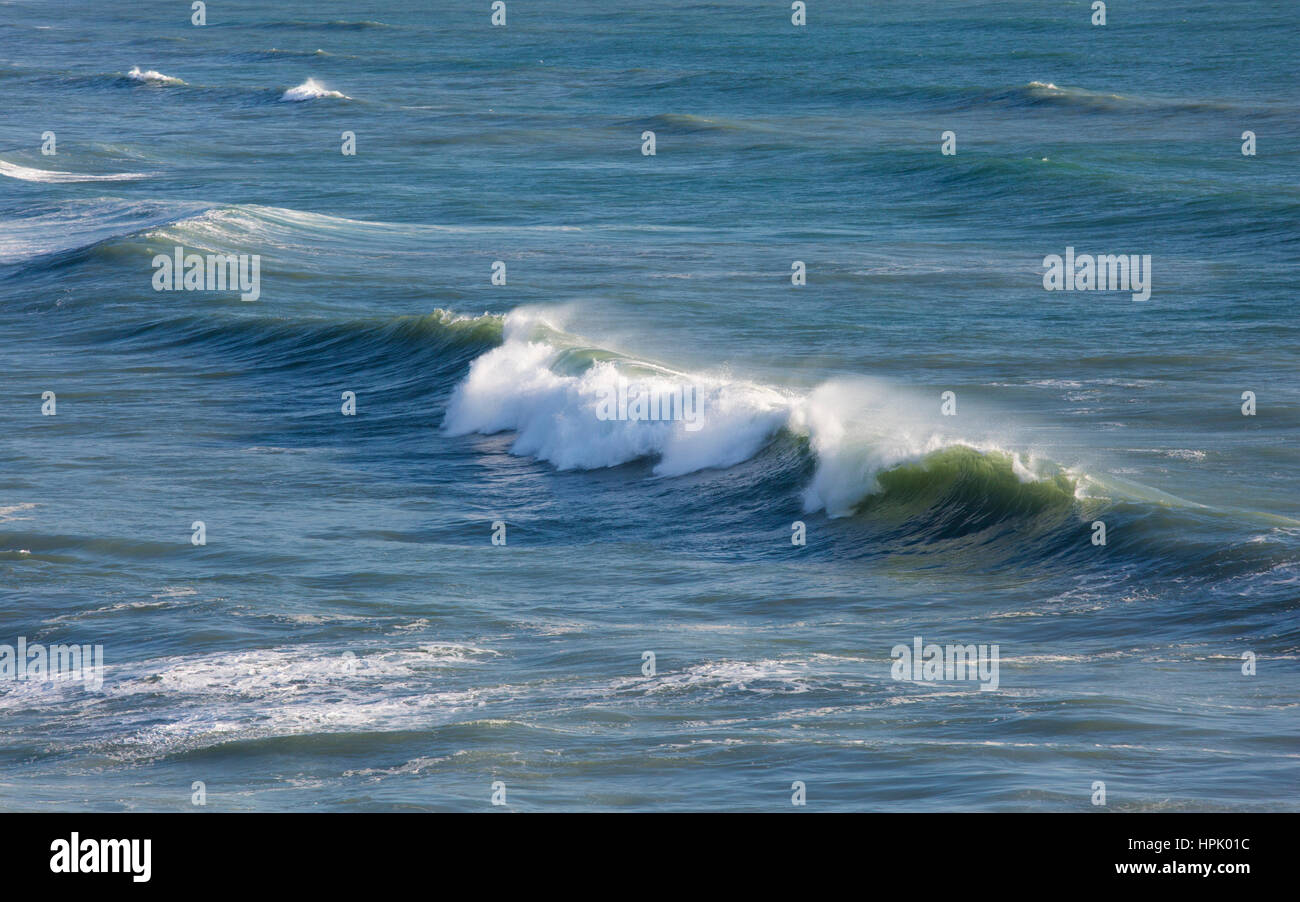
[[28, 174], [311, 90]]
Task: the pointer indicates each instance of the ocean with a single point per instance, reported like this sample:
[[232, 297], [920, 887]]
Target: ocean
[[400, 533]]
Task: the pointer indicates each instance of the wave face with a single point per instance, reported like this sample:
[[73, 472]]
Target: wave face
[[440, 534], [50, 232], [852, 450], [548, 388]]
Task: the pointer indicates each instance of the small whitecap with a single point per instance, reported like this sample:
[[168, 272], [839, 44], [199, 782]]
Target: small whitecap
[[311, 89], [152, 77]]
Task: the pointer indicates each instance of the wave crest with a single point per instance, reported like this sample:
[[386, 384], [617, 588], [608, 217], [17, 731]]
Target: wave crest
[[311, 90], [549, 391], [548, 387], [152, 77]]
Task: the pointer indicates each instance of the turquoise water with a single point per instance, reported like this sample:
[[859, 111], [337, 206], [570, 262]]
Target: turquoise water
[[349, 637]]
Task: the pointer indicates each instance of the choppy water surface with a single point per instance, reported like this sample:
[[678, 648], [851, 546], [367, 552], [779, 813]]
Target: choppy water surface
[[349, 637]]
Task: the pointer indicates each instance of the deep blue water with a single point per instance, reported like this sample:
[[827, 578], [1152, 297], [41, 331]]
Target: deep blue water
[[349, 637]]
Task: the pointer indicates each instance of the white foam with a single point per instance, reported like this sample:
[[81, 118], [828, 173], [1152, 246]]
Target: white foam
[[10, 512], [851, 451], [291, 690], [311, 90], [152, 77], [513, 387], [860, 428], [28, 174], [768, 676]]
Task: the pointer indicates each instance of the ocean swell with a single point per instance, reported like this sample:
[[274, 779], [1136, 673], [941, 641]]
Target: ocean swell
[[548, 388]]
